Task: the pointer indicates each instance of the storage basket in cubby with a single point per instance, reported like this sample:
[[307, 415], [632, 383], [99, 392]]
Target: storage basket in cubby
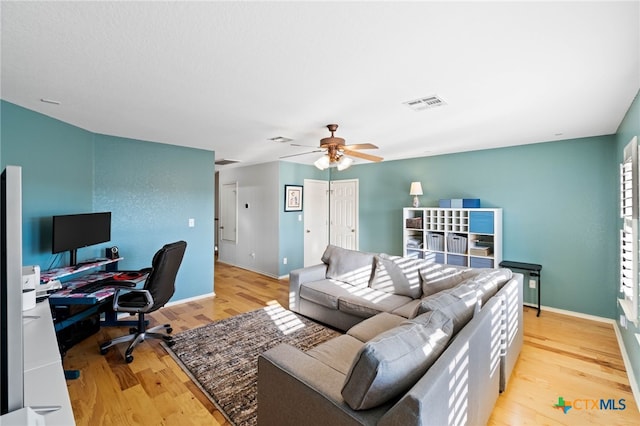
[[414, 222], [435, 242], [456, 243]]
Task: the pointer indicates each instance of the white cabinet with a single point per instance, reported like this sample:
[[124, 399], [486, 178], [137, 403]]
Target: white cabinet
[[44, 380], [454, 236]]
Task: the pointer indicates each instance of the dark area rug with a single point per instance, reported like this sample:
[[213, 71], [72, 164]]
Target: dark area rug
[[222, 357]]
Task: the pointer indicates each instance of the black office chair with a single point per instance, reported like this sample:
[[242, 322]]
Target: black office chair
[[157, 290]]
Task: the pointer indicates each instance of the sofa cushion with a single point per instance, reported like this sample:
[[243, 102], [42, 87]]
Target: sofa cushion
[[458, 303], [351, 266], [397, 275], [408, 310], [437, 277], [338, 353], [392, 362], [371, 327], [325, 292], [367, 302], [488, 281]]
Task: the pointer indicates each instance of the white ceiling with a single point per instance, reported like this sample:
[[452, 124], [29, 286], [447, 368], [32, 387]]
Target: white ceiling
[[227, 76]]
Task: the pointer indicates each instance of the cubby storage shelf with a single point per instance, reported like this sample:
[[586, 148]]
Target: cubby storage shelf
[[454, 236]]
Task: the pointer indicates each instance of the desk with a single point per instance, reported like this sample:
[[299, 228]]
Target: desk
[[65, 271], [94, 301], [534, 271]]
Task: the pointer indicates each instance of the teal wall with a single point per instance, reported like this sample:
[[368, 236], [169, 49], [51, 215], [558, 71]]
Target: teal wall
[[291, 230], [557, 202], [57, 174], [629, 128], [152, 190]]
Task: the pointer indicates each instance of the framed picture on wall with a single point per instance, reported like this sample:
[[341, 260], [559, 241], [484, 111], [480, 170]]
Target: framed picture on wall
[[293, 198]]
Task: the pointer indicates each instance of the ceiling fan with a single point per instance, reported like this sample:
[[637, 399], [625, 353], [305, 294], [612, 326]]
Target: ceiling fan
[[336, 152]]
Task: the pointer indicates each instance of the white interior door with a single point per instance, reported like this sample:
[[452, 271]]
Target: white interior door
[[229, 212], [316, 220], [343, 202]]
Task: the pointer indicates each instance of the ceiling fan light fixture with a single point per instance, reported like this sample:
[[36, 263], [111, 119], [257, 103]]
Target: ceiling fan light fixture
[[322, 162], [344, 163]]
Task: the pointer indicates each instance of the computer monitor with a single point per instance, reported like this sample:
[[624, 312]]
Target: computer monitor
[[74, 231]]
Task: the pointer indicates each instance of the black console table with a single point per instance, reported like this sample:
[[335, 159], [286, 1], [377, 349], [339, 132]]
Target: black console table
[[534, 271]]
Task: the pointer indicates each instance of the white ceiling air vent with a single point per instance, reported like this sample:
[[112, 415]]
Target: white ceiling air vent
[[224, 162], [425, 103], [280, 139]]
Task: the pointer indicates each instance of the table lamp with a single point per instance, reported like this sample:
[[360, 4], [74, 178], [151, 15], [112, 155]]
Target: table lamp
[[416, 189]]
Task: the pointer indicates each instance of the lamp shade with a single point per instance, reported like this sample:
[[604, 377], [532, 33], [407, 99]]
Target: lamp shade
[[416, 188]]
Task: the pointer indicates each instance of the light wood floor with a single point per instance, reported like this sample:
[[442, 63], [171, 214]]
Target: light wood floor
[[562, 357]]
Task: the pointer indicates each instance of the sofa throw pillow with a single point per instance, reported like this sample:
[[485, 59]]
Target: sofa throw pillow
[[350, 266], [436, 277], [397, 275], [392, 362], [458, 303]]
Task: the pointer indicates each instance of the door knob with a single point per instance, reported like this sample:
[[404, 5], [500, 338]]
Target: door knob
[[308, 231]]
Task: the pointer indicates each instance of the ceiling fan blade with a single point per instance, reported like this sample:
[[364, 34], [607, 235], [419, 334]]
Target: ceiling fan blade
[[301, 153], [307, 146], [361, 146], [362, 155]]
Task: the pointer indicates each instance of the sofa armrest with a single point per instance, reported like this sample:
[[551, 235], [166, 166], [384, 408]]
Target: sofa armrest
[[295, 388], [512, 298], [301, 276]]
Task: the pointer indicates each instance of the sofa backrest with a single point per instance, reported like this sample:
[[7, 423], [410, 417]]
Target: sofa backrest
[[350, 266]]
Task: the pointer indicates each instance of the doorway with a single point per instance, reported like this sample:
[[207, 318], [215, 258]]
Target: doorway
[[229, 213], [343, 213], [316, 220], [330, 217]]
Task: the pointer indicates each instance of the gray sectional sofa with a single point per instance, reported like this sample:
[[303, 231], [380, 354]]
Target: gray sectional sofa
[[424, 344]]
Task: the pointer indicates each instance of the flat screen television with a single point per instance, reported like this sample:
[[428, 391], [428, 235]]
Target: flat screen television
[[74, 231], [11, 327]]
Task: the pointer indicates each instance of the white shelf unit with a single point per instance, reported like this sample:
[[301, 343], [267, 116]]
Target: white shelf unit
[[454, 236]]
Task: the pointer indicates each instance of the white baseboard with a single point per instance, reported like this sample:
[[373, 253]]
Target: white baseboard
[[635, 389], [572, 313], [191, 299], [628, 366]]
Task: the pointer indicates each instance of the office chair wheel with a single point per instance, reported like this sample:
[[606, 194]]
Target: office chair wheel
[[128, 359], [169, 330], [103, 351], [170, 343]]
